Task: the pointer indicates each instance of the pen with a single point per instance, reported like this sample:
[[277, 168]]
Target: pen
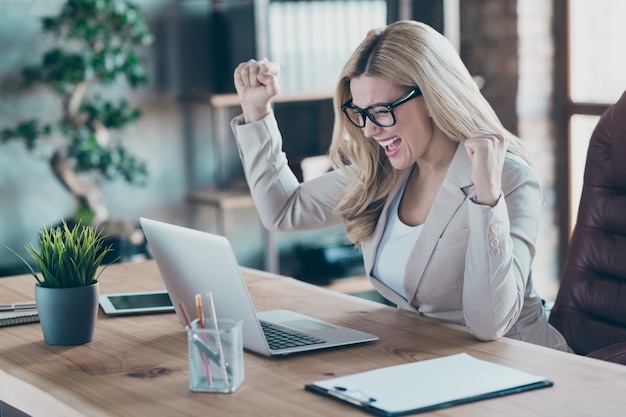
[[218, 339], [15, 307]]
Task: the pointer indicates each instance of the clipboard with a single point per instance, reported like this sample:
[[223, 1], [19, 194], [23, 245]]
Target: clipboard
[[427, 385]]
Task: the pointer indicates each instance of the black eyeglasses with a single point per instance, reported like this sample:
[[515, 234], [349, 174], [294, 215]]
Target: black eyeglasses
[[380, 114]]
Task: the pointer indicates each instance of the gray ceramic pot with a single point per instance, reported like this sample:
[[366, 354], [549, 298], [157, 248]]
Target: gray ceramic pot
[[67, 315]]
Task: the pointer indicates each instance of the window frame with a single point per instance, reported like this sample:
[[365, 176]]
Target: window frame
[[565, 109]]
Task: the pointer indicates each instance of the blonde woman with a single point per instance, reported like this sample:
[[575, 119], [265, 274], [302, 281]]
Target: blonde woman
[[438, 195]]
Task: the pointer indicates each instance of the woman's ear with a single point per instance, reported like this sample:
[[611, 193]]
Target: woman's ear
[[428, 112]]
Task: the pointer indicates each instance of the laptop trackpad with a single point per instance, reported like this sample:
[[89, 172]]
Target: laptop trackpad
[[305, 325]]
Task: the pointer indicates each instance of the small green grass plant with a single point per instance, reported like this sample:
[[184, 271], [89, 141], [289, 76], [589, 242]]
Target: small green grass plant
[[67, 256]]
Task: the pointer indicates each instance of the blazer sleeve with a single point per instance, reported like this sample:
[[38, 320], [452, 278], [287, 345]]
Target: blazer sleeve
[[500, 253], [283, 203]]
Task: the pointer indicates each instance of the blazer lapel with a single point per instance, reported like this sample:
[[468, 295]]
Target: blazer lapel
[[452, 194]]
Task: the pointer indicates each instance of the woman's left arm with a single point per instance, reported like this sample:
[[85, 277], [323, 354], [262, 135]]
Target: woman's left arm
[[500, 252]]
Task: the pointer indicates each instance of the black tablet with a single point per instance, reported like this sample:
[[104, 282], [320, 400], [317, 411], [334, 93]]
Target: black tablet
[[136, 303]]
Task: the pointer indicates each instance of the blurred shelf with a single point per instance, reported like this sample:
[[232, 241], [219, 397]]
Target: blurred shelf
[[231, 100], [225, 203]]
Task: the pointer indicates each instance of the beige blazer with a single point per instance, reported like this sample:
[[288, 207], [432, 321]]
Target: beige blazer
[[471, 264]]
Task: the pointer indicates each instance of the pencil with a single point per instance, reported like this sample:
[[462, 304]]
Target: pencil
[[183, 310], [200, 311], [205, 359]]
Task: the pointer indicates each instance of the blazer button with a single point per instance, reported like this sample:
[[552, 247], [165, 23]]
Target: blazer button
[[494, 228], [494, 243], [492, 236], [494, 251]]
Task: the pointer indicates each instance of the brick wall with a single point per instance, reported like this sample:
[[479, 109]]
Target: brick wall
[[489, 42]]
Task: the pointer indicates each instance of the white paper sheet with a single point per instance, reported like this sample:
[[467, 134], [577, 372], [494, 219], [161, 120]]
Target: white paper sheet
[[428, 383]]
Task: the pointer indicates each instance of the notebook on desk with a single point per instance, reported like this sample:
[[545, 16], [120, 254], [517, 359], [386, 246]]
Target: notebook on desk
[[21, 313], [194, 262]]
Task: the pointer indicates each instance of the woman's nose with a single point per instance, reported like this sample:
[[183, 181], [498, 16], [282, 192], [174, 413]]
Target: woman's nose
[[370, 129]]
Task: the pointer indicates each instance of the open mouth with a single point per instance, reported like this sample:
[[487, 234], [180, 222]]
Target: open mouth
[[388, 143]]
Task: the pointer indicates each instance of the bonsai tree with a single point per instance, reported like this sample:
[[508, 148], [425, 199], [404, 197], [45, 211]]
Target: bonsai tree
[[99, 38]]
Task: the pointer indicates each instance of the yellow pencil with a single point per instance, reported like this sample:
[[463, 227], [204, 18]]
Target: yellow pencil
[[201, 325], [200, 311]]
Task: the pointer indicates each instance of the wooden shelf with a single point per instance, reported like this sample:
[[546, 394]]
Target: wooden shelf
[[231, 100], [224, 200], [225, 203]]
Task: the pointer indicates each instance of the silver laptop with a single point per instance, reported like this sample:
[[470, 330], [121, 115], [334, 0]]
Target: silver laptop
[[193, 262]]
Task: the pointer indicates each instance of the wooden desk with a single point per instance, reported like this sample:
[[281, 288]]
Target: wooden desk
[[137, 366]]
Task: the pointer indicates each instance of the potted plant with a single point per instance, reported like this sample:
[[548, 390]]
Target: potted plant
[[97, 43], [67, 286]]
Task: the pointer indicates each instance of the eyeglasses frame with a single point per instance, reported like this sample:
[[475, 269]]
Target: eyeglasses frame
[[416, 92]]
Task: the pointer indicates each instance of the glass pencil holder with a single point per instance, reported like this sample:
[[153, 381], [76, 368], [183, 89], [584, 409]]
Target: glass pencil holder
[[215, 356]]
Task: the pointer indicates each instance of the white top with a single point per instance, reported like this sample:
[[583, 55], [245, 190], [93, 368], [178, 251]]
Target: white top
[[395, 248]]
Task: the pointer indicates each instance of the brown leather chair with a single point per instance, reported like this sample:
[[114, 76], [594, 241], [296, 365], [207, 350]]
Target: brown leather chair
[[590, 307]]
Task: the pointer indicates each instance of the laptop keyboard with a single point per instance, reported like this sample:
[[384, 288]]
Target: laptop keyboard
[[282, 338]]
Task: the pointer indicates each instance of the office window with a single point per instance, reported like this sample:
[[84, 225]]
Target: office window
[[581, 126], [597, 60], [597, 78]]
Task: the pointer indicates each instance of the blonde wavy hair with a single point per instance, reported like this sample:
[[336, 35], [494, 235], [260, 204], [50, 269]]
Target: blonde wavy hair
[[407, 54]]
